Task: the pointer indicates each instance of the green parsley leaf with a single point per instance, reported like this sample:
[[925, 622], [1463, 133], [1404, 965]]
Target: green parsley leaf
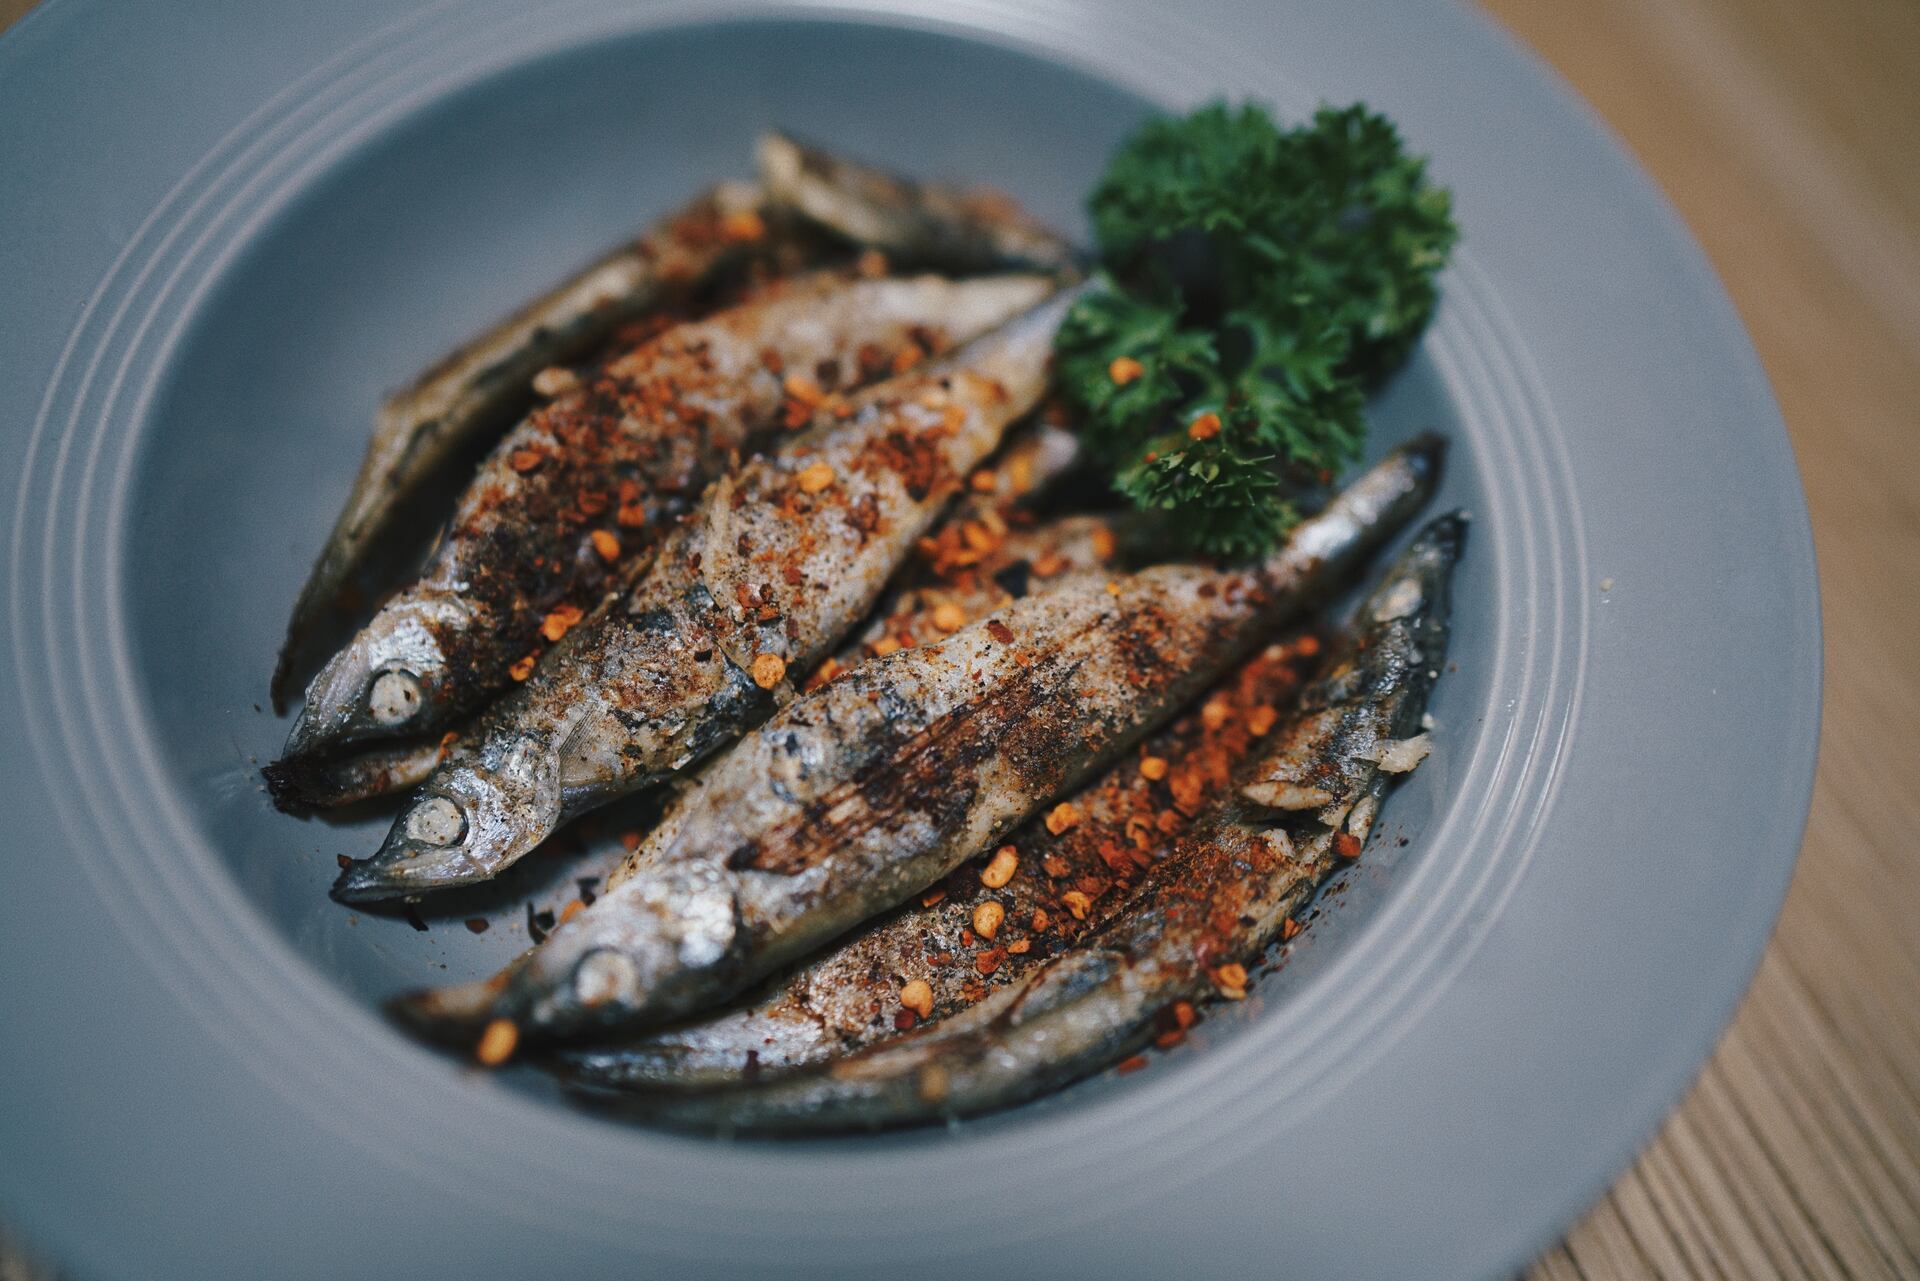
[[1261, 275]]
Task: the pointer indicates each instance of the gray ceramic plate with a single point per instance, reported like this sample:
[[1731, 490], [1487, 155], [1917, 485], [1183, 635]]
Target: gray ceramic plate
[[227, 228]]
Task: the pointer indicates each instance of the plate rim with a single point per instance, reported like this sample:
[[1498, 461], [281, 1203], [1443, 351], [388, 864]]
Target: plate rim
[[69, 8]]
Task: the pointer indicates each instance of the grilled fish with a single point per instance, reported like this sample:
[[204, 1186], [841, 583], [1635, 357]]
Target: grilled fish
[[784, 556], [1024, 471], [1226, 892], [988, 924], [476, 392], [575, 489], [869, 789], [916, 221]]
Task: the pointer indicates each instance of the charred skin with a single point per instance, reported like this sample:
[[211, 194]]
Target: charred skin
[[783, 557], [1220, 899], [917, 222], [300, 785], [569, 500], [850, 997], [478, 391], [876, 785]]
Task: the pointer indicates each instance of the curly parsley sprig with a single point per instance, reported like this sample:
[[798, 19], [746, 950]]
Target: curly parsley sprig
[[1258, 280]]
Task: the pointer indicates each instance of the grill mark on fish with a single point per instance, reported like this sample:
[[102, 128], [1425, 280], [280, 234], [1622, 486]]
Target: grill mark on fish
[[1180, 626], [932, 779], [1224, 895]]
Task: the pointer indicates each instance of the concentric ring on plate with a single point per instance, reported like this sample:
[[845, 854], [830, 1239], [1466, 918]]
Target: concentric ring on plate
[[141, 836]]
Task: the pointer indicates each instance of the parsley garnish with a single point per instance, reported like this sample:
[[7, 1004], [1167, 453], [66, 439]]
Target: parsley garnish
[[1258, 281]]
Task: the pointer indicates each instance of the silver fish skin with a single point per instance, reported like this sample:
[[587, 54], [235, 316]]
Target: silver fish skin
[[783, 557], [1023, 472], [869, 789], [570, 493], [476, 391], [1221, 897], [916, 222], [1063, 882]]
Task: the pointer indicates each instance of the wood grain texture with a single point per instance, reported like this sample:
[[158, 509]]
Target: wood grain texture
[[1786, 132]]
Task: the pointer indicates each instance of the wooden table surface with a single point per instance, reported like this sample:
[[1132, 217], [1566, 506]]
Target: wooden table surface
[[1788, 134]]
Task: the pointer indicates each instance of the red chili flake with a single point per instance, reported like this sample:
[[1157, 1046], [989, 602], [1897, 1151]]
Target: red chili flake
[[1000, 631], [1133, 1064], [1288, 929], [1346, 845], [525, 460], [477, 924]]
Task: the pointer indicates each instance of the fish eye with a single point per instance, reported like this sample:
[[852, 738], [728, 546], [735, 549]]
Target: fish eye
[[436, 821], [394, 698], [605, 974]]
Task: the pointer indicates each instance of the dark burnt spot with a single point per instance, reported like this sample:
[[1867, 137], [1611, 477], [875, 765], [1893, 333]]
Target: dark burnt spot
[[1015, 579], [931, 779]]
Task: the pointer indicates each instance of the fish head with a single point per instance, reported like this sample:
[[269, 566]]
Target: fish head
[[392, 679], [467, 823], [656, 948]]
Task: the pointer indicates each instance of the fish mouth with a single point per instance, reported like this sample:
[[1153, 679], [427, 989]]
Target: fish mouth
[[351, 700]]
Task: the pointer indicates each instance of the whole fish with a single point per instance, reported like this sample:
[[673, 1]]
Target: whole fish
[[988, 924], [1227, 891], [477, 391], [977, 230], [872, 787], [577, 488], [783, 557], [1030, 464]]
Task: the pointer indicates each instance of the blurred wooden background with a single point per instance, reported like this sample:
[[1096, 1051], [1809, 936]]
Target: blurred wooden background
[[1788, 133]]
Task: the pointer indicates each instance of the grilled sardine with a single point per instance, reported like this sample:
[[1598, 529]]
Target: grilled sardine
[[782, 559], [1186, 935], [869, 789]]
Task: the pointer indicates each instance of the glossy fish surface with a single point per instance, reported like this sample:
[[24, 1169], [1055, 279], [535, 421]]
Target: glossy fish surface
[[863, 793], [990, 533], [1229, 888], [782, 559], [477, 391], [987, 924], [580, 489]]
